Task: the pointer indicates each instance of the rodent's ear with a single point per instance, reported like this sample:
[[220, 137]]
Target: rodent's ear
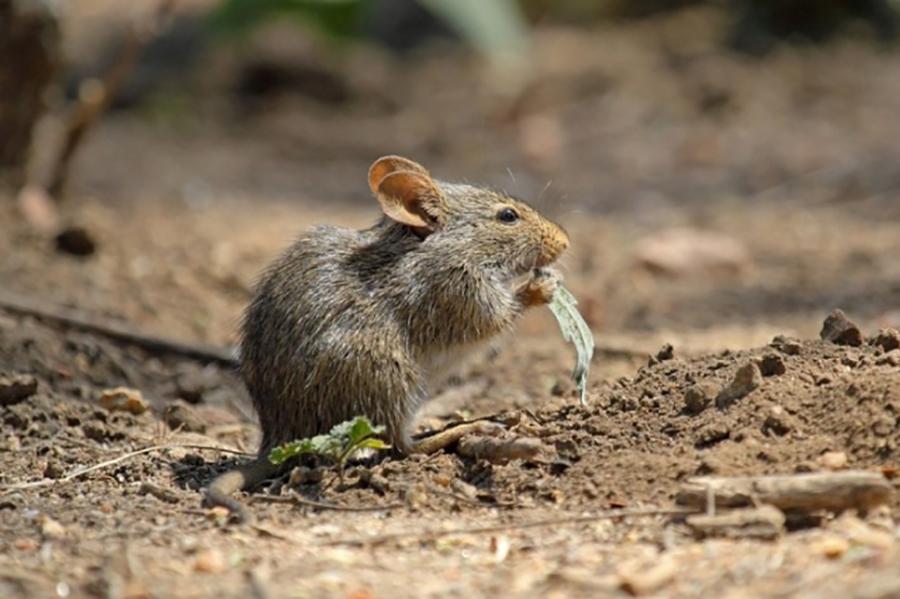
[[386, 165], [411, 198]]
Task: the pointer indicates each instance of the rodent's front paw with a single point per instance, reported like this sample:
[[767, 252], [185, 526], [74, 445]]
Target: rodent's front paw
[[540, 288]]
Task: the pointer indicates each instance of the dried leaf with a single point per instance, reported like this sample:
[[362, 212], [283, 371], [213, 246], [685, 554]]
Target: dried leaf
[[576, 331]]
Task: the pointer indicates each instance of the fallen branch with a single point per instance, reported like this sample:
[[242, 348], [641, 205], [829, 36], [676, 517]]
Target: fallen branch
[[764, 522], [30, 306], [607, 515], [835, 491]]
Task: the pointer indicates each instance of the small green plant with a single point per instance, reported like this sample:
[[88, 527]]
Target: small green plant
[[338, 444]]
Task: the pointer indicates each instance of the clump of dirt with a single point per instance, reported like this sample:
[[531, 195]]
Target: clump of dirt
[[791, 406], [641, 436]]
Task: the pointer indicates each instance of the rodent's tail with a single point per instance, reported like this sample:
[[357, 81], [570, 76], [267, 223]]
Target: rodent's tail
[[220, 491]]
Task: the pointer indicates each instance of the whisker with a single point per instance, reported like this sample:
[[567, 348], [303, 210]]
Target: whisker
[[543, 191]]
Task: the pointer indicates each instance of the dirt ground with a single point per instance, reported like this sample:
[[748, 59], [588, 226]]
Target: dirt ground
[[720, 205]]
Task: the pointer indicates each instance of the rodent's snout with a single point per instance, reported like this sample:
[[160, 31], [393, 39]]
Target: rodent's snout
[[554, 241]]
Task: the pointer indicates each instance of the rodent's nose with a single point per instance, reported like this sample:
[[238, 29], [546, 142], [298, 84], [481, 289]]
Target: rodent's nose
[[555, 241]]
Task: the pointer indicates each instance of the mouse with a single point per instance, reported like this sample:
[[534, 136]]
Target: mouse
[[348, 323]]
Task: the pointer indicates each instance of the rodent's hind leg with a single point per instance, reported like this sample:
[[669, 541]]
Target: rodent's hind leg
[[448, 437]]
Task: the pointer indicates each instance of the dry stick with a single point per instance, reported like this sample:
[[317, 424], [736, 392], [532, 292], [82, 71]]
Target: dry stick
[[836, 491], [93, 103], [7, 489], [30, 306], [607, 515]]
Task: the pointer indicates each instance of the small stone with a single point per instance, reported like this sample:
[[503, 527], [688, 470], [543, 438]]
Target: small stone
[[210, 561], [303, 475], [179, 415], [831, 547], [889, 359], [772, 365], [698, 397], [886, 339], [25, 544], [833, 460], [786, 345], [563, 387], [746, 379], [884, 426], [51, 529], [851, 361], [16, 388], [76, 241], [123, 399], [218, 514], [778, 421], [666, 352], [53, 470], [712, 434], [840, 330], [465, 489], [101, 433], [162, 493]]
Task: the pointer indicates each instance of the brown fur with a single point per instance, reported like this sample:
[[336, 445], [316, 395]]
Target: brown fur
[[349, 323]]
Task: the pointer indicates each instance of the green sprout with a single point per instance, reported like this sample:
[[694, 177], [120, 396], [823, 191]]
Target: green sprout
[[338, 444]]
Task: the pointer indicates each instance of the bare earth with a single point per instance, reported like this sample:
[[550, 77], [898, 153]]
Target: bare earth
[[788, 164]]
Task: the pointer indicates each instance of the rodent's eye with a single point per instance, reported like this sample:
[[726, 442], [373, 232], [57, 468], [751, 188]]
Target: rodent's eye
[[507, 215]]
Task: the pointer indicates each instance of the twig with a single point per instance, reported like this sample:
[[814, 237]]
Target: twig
[[31, 306], [7, 489], [324, 506], [607, 515], [92, 103], [834, 491]]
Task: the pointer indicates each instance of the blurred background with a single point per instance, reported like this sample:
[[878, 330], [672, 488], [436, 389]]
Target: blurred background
[[727, 168]]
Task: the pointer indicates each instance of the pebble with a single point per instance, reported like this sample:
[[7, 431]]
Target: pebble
[[25, 544], [123, 399], [778, 421], [698, 397], [76, 241], [787, 346], [772, 365], [16, 388], [840, 330], [889, 359], [746, 379], [831, 547], [210, 561], [179, 415], [833, 460], [51, 529], [886, 339]]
